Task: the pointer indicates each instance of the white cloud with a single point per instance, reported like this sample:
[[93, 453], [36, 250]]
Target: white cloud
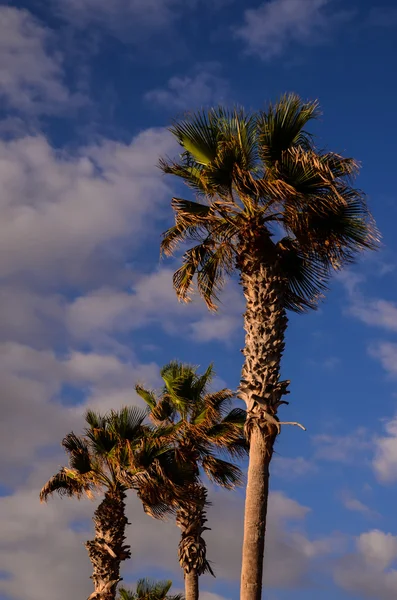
[[385, 456], [386, 353], [378, 548], [367, 573], [31, 74], [202, 88], [292, 468], [342, 448], [109, 310], [355, 505], [61, 211], [275, 25], [379, 313], [32, 383], [131, 20], [371, 311]]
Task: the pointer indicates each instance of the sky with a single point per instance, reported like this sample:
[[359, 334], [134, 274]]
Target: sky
[[87, 310]]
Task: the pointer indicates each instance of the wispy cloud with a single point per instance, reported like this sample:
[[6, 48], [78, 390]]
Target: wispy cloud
[[355, 505], [376, 312], [293, 467], [386, 353], [385, 459], [202, 88], [276, 25], [342, 448]]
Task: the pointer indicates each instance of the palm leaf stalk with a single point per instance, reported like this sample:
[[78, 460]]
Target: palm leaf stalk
[[284, 215], [117, 452], [201, 425]]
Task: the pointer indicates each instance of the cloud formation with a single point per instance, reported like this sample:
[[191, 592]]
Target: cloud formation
[[60, 209], [31, 76], [204, 87], [276, 25], [369, 572], [385, 458]]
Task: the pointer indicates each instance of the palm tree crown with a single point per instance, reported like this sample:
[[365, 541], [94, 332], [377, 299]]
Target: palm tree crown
[[117, 452], [150, 590], [202, 424], [264, 188]]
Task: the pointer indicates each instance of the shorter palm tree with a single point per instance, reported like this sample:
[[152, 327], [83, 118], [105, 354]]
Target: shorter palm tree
[[150, 590], [201, 426], [117, 452]]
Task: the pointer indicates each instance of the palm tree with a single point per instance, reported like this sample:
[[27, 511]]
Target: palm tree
[[117, 452], [150, 590], [283, 214], [201, 425]]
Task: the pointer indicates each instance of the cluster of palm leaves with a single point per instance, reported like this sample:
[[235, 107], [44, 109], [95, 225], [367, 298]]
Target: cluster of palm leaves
[[282, 214]]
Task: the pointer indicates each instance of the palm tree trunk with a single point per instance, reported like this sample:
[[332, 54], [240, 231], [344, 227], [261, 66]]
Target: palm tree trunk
[[192, 551], [107, 550], [265, 322], [191, 585]]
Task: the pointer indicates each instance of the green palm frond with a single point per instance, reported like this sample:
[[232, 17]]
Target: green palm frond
[[198, 135], [306, 276], [178, 380], [147, 589], [281, 126], [127, 423], [147, 395], [221, 472], [193, 176], [191, 220], [236, 416], [95, 420], [79, 456], [102, 441], [219, 402]]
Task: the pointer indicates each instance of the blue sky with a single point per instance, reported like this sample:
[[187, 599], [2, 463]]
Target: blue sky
[[87, 89]]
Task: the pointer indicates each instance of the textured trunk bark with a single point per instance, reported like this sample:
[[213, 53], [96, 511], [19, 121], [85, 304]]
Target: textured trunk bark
[[191, 585], [265, 322], [192, 551], [107, 550]]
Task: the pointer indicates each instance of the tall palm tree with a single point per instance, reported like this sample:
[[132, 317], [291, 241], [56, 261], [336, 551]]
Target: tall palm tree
[[283, 214], [150, 590], [117, 452], [201, 425]]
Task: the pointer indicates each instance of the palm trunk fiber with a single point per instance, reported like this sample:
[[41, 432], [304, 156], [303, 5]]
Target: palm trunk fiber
[[192, 552], [265, 322], [107, 550]]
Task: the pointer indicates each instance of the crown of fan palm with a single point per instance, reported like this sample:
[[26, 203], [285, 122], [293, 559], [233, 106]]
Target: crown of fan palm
[[118, 450], [199, 422], [150, 590], [264, 172]]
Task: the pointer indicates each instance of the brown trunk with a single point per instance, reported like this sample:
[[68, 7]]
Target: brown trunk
[[265, 322], [255, 516], [107, 550], [191, 585], [192, 552]]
